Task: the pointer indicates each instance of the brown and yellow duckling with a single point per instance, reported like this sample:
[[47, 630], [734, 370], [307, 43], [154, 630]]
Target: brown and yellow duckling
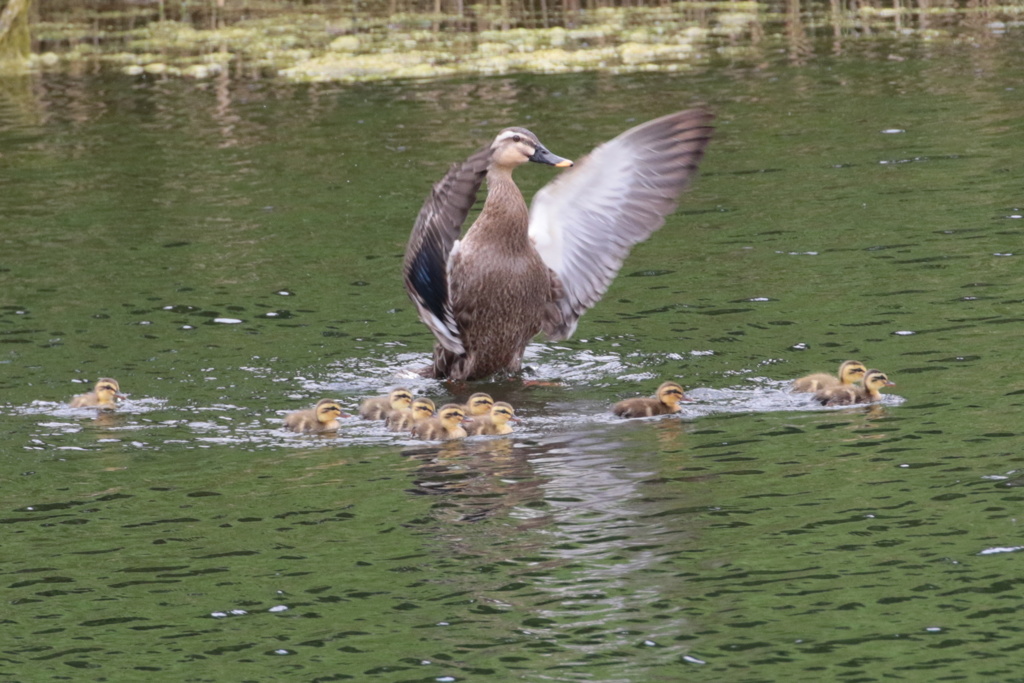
[[478, 404], [495, 422], [665, 402], [844, 395], [104, 395], [850, 371], [404, 420], [321, 418], [447, 425], [377, 408]]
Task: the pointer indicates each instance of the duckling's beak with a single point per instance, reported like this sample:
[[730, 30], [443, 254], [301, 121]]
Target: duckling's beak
[[890, 384], [543, 156]]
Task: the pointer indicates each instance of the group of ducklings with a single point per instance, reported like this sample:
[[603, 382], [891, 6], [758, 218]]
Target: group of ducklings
[[481, 414], [401, 412], [843, 390]]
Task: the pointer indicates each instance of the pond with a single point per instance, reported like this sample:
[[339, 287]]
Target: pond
[[231, 250]]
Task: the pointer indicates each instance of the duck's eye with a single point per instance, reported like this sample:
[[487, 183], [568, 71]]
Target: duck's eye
[[517, 138]]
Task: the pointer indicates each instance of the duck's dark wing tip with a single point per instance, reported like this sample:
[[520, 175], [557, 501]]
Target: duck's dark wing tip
[[430, 244]]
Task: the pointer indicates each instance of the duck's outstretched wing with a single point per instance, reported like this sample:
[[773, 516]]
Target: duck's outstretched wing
[[584, 222], [436, 229]]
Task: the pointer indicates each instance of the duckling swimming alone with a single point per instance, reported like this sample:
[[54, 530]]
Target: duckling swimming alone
[[666, 401], [404, 420], [496, 422], [843, 395], [104, 395], [850, 371], [447, 425], [377, 408], [519, 271], [321, 418]]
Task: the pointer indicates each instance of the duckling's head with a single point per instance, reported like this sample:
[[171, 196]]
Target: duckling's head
[[327, 409], [422, 408], [479, 404], [874, 380], [671, 394], [515, 146], [107, 390], [400, 399], [502, 412], [451, 415], [851, 371]]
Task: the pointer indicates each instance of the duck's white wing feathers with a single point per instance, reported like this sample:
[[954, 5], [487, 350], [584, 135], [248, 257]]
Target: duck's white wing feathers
[[431, 244], [585, 222]]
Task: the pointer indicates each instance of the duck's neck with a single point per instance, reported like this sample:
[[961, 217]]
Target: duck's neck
[[505, 217]]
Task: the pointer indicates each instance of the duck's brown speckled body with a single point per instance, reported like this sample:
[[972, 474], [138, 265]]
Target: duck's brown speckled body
[[843, 395], [665, 402], [404, 420], [104, 395], [377, 408], [495, 422], [319, 419], [519, 271], [850, 372], [447, 425]]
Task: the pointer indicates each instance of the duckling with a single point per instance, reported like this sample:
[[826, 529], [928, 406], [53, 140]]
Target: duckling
[[321, 418], [104, 395], [478, 404], [842, 395], [850, 371], [520, 271], [665, 401], [447, 424], [377, 408], [496, 422], [403, 420]]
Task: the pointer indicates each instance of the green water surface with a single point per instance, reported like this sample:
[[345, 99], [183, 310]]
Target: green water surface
[[232, 250]]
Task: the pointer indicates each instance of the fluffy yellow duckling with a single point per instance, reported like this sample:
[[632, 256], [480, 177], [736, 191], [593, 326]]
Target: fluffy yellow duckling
[[850, 371], [874, 381], [478, 404], [665, 401], [496, 422], [321, 418], [104, 395], [447, 425], [404, 420], [377, 408]]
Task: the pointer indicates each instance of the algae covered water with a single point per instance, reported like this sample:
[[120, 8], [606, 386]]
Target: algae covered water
[[231, 251]]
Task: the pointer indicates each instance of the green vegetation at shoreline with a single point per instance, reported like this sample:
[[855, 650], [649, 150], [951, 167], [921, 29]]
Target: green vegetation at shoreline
[[323, 43]]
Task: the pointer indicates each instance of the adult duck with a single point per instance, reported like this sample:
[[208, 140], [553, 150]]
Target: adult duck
[[518, 271], [868, 392], [850, 372]]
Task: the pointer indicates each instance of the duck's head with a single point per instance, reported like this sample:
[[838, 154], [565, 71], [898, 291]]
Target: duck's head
[[502, 412], [515, 146], [451, 416], [479, 404], [328, 409], [400, 399], [851, 371], [108, 390], [422, 408], [671, 394], [874, 380]]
